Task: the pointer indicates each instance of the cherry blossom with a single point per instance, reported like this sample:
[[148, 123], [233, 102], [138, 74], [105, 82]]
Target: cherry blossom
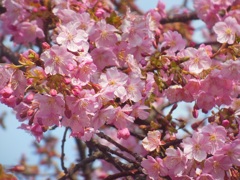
[[116, 78], [71, 37], [56, 59], [174, 41], [216, 166], [153, 167], [196, 147], [152, 141], [227, 30]]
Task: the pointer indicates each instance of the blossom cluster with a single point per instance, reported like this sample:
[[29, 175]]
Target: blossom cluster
[[92, 69], [208, 154]]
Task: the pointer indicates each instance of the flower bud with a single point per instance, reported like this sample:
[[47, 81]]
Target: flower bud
[[45, 46], [123, 133], [6, 92], [53, 92], [225, 123]]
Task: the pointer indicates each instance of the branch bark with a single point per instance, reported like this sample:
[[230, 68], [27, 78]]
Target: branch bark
[[63, 154], [180, 18], [11, 56]]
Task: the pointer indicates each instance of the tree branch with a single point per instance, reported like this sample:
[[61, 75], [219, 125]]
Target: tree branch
[[12, 56], [63, 154], [95, 155], [107, 149], [135, 155], [122, 174], [81, 150], [180, 18]]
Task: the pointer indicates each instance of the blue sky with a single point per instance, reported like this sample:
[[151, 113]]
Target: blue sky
[[15, 142]]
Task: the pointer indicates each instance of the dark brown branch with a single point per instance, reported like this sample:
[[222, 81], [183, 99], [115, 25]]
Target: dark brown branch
[[130, 4], [122, 148], [107, 149], [175, 142], [95, 155], [63, 154], [180, 18], [81, 150], [12, 56], [135, 8], [122, 174]]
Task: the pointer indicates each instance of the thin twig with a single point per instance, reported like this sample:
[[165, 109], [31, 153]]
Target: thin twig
[[122, 174], [102, 135], [63, 154], [81, 150], [107, 149], [95, 155]]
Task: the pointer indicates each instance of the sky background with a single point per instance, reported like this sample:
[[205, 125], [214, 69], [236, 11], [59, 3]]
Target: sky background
[[15, 142]]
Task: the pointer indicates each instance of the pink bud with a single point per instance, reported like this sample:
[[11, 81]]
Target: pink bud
[[23, 114], [123, 133], [195, 112], [53, 92], [28, 99], [76, 91], [99, 13], [35, 10], [67, 80], [30, 81], [6, 92], [225, 123], [70, 67], [30, 112], [42, 8], [45, 45]]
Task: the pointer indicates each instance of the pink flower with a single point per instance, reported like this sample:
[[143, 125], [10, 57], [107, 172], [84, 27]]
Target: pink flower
[[232, 151], [71, 37], [103, 57], [202, 7], [87, 103], [216, 136], [152, 141], [26, 32], [230, 69], [175, 161], [114, 81], [216, 166], [199, 59], [35, 129], [103, 34], [50, 109], [122, 117], [4, 76], [134, 88], [103, 116], [174, 41], [77, 122], [22, 111], [196, 147], [223, 3], [205, 177], [82, 73], [154, 168], [227, 30], [140, 111], [57, 60], [113, 77]]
